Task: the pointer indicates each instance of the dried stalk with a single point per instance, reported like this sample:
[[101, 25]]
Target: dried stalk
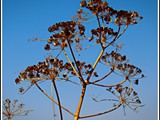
[[102, 85], [71, 63], [75, 61], [52, 99], [101, 113], [57, 95], [103, 77], [76, 117]]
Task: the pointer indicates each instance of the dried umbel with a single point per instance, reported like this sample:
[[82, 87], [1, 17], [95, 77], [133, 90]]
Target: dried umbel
[[11, 109], [113, 59], [81, 16], [52, 68], [102, 35], [108, 14], [42, 70], [126, 97], [64, 33], [120, 63], [123, 96], [129, 70]]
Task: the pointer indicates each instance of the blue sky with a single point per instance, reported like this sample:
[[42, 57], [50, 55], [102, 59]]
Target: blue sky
[[25, 19]]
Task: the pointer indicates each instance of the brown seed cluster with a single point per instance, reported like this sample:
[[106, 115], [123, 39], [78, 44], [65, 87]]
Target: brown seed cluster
[[95, 6], [101, 8], [51, 68], [80, 16], [64, 32], [42, 70], [84, 68], [103, 33], [129, 70], [127, 96], [113, 59], [11, 109], [119, 88], [116, 60]]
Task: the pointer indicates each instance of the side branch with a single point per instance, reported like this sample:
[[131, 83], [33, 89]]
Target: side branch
[[70, 63], [99, 27], [102, 51], [101, 113], [81, 78], [117, 35], [95, 64], [102, 85], [52, 99], [103, 77], [122, 32]]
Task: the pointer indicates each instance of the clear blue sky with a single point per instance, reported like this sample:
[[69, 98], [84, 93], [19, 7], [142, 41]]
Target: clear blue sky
[[23, 19]]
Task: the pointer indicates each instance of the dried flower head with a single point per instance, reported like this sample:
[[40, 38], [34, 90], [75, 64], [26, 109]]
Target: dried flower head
[[119, 62], [113, 59], [108, 14], [126, 96], [104, 33], [64, 33], [11, 109]]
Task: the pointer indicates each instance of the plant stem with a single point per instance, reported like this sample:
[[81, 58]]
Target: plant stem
[[103, 77], [100, 32], [95, 64], [101, 113], [52, 99], [52, 96], [102, 85], [71, 63], [59, 103], [9, 118], [75, 61], [76, 117]]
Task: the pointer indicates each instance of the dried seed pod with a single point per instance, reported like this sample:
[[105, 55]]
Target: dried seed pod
[[21, 89], [95, 74], [47, 47], [64, 75], [83, 3], [136, 82], [17, 80]]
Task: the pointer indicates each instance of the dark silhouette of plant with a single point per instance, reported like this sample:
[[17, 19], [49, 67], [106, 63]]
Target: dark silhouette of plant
[[69, 39], [11, 109]]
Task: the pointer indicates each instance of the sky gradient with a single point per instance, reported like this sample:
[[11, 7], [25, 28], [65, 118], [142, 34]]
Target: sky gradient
[[25, 19]]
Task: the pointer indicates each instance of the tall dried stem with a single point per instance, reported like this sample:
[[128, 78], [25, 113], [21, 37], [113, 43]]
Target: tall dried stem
[[76, 117]]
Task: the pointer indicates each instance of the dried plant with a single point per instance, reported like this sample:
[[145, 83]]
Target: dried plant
[[11, 109], [70, 35]]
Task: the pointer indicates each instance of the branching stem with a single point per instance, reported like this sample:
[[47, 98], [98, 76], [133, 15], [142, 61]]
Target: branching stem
[[102, 85], [75, 61], [101, 113], [70, 63], [103, 77], [95, 64]]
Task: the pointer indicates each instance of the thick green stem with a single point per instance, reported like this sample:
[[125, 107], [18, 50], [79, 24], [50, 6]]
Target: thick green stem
[[76, 117]]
